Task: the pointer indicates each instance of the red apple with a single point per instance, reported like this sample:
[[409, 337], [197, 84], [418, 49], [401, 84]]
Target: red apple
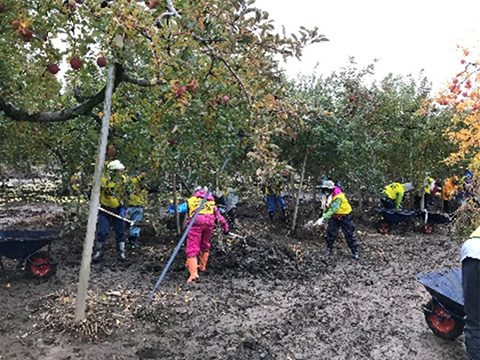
[[462, 61], [25, 34], [455, 80], [53, 68], [180, 91], [111, 152], [352, 97], [192, 87], [172, 141], [15, 24], [101, 61], [75, 63], [152, 4]]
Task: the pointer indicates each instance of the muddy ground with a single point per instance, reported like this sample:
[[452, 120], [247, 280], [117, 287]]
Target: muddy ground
[[272, 295]]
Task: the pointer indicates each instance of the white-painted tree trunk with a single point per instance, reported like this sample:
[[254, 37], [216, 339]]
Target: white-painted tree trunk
[[94, 200]]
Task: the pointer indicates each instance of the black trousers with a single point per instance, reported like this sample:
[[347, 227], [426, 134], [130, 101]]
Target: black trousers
[[387, 203], [471, 294], [346, 224]]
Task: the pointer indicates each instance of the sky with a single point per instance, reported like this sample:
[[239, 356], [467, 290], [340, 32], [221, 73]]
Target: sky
[[405, 36]]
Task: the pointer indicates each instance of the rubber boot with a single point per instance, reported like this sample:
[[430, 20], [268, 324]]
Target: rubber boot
[[192, 266], [284, 215], [355, 254], [98, 256], [121, 251], [271, 215], [203, 256], [133, 242]]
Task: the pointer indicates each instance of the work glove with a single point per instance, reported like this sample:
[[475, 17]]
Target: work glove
[[320, 222]]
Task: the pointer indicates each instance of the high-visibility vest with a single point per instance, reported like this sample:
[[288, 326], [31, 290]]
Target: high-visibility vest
[[194, 203], [393, 189], [345, 207]]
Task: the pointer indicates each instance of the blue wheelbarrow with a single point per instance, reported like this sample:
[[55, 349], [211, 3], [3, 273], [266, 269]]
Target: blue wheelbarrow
[[444, 312], [25, 246], [392, 217]]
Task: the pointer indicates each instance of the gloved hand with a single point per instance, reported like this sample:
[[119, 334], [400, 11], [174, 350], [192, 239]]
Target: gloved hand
[[320, 222], [122, 211]]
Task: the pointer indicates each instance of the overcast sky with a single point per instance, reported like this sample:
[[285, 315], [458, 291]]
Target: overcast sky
[[406, 36]]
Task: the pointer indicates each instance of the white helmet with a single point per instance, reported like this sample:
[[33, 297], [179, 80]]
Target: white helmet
[[115, 165], [328, 184], [408, 186]]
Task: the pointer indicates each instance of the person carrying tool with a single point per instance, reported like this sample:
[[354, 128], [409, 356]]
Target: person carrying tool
[[112, 194], [273, 192], [137, 200], [470, 258], [339, 215], [393, 195], [198, 238]]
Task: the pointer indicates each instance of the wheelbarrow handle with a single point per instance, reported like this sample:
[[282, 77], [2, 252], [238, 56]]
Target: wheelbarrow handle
[[131, 222]]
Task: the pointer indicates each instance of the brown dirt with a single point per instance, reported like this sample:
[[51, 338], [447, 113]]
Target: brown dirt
[[272, 295]]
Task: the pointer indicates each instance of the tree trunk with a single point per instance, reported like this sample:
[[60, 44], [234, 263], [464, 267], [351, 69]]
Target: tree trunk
[[94, 200], [175, 205], [314, 194], [299, 192]]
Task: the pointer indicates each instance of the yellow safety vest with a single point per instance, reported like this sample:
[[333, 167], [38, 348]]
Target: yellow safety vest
[[345, 207], [394, 189], [194, 203], [138, 195], [428, 182], [476, 233]]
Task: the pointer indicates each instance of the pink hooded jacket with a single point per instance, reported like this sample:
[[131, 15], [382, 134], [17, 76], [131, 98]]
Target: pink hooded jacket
[[216, 214]]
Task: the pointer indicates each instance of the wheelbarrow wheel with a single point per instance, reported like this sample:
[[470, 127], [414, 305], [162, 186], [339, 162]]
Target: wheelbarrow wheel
[[442, 323], [40, 265], [428, 228], [383, 227]]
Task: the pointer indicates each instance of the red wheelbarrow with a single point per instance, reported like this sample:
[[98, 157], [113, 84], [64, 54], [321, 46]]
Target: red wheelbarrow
[[24, 247], [444, 312]]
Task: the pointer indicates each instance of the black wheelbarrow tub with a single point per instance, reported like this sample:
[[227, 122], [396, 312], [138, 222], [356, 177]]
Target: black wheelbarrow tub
[[434, 218], [446, 287], [397, 216], [20, 244]]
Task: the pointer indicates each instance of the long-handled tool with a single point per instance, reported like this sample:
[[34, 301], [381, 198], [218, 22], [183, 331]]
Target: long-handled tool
[[130, 222], [235, 235]]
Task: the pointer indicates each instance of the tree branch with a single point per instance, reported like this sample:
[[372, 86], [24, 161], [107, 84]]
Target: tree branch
[[171, 12], [215, 56], [85, 108]]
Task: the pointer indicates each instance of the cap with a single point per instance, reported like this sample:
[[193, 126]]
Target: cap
[[327, 184], [115, 165]]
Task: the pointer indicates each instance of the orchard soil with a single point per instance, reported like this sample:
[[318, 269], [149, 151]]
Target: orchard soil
[[272, 295]]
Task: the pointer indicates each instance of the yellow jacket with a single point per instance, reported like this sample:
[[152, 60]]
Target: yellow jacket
[[112, 191], [137, 193]]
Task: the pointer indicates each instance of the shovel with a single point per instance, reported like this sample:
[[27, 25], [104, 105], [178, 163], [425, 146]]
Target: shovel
[[130, 222]]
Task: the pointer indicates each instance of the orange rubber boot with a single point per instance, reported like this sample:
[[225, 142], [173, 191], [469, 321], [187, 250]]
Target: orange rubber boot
[[192, 266], [203, 260]]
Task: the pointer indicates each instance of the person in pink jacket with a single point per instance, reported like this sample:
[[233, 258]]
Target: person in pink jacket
[[198, 238]]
